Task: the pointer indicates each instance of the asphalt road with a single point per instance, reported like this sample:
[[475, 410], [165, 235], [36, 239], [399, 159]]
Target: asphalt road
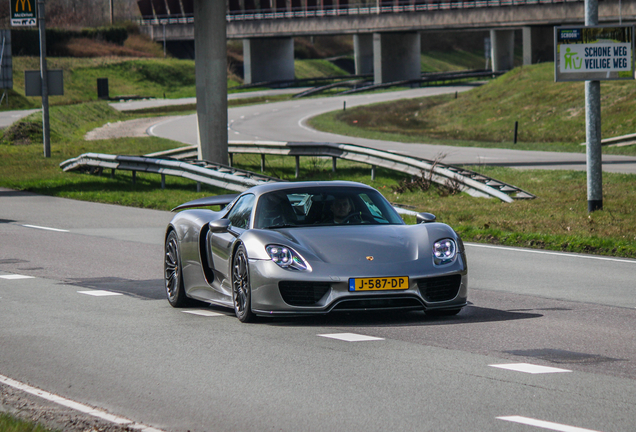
[[287, 121], [135, 356], [8, 117]]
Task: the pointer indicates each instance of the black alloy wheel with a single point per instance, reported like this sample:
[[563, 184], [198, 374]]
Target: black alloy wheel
[[241, 290], [172, 272]]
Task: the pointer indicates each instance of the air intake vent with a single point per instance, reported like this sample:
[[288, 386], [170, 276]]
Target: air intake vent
[[378, 303], [303, 293], [442, 288]]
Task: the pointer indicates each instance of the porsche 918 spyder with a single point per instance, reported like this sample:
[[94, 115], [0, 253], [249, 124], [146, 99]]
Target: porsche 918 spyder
[[311, 248]]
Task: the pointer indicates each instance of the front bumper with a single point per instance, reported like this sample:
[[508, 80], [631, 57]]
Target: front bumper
[[322, 291]]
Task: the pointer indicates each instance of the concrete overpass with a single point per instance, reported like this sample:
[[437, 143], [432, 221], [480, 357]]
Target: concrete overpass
[[387, 34]]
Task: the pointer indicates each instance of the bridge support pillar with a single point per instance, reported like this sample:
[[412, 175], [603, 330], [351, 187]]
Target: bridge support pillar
[[363, 53], [502, 44], [268, 59], [396, 57], [210, 68], [538, 45]]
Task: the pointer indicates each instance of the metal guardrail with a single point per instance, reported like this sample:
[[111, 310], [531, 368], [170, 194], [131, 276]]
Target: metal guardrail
[[358, 86], [468, 181], [618, 141], [213, 174]]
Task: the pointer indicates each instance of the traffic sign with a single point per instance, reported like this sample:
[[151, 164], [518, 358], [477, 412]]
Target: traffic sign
[[24, 13]]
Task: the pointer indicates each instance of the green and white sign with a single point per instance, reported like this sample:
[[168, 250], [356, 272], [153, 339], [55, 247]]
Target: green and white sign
[[594, 53]]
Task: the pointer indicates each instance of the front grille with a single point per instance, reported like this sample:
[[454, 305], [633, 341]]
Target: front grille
[[303, 293], [378, 303], [442, 288]]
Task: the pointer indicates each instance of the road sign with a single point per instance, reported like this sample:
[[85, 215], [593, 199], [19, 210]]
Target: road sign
[[33, 82], [24, 13], [593, 53]]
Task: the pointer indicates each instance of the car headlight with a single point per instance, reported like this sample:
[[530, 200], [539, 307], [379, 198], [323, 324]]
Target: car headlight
[[444, 251], [287, 258]]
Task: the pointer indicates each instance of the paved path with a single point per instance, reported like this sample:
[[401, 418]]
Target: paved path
[[287, 121], [7, 118], [154, 103]]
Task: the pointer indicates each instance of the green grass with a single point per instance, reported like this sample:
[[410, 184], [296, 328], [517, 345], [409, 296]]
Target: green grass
[[157, 78], [9, 423], [315, 68], [451, 60], [551, 116]]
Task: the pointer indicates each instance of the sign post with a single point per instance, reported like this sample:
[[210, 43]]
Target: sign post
[[46, 128], [593, 54], [30, 13]]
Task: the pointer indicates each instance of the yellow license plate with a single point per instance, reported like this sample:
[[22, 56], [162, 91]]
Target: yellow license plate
[[379, 283]]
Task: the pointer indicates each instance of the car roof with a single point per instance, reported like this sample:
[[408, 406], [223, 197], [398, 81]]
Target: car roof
[[290, 186]]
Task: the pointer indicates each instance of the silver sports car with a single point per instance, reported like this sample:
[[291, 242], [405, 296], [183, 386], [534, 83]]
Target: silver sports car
[[312, 248]]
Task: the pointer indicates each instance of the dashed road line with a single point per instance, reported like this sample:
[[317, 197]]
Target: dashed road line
[[544, 424], [16, 277], [45, 228], [529, 368], [544, 252], [100, 293], [76, 405], [204, 313], [350, 337]]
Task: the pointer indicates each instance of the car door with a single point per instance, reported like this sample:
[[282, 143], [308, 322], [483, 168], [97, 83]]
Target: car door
[[222, 244]]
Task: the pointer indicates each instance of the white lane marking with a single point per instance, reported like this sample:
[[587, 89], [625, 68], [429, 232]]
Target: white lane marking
[[45, 228], [100, 293], [204, 313], [529, 368], [350, 337], [307, 128], [76, 405], [543, 252], [16, 277], [151, 130], [544, 424]]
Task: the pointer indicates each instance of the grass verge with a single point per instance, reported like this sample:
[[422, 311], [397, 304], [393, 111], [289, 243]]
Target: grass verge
[[551, 116], [556, 220], [9, 423]]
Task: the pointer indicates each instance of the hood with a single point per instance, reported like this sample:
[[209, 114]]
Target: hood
[[352, 244]]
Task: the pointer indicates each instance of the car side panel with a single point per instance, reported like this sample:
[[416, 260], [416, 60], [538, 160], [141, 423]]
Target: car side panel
[[189, 224]]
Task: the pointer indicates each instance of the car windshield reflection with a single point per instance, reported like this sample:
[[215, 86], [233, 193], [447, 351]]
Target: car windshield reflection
[[318, 206]]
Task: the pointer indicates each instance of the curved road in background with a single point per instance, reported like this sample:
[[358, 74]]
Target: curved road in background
[[287, 121]]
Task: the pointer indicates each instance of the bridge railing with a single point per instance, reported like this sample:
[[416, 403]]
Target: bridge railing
[[161, 12]]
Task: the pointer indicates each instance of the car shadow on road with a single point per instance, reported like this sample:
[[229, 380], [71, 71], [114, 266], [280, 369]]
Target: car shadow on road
[[469, 315], [151, 289]]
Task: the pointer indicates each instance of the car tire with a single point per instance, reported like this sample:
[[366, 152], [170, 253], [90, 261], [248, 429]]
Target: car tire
[[444, 312], [173, 278], [241, 288]]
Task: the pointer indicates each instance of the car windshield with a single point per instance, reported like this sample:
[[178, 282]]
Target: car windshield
[[315, 206]]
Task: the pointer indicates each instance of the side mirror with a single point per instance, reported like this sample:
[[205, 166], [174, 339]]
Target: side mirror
[[425, 218], [219, 226]]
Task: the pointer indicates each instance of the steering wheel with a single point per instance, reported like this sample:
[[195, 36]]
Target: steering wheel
[[363, 217]]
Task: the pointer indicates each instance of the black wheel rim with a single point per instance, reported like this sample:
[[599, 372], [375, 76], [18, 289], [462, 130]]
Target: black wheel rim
[[240, 283], [171, 268]]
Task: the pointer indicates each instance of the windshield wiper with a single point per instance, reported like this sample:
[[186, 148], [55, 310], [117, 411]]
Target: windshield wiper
[[280, 226]]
